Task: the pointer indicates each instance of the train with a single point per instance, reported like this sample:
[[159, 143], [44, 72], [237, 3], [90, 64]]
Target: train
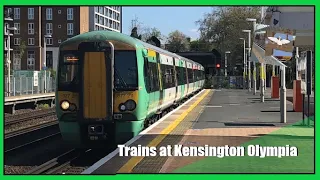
[[111, 86]]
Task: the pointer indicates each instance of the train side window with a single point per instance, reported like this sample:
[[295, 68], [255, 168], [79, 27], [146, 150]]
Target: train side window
[[147, 79], [156, 77], [190, 75], [153, 76], [185, 71]]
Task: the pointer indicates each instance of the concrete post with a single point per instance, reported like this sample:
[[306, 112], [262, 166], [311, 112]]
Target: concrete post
[[244, 64], [261, 82], [254, 78], [283, 96], [265, 76]]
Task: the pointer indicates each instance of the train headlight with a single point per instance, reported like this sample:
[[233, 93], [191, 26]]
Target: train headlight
[[122, 107], [130, 105], [65, 105]]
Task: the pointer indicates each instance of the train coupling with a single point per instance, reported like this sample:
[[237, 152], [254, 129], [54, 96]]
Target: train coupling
[[96, 132]]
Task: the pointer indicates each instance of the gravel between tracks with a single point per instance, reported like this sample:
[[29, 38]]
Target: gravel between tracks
[[17, 169], [21, 111], [21, 125]]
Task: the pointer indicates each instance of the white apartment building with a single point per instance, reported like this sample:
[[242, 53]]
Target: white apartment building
[[105, 18]]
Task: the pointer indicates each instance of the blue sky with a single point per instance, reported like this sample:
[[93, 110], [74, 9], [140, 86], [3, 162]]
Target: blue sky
[[166, 19]]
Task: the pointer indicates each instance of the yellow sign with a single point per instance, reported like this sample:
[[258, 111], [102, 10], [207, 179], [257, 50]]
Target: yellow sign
[[151, 53]]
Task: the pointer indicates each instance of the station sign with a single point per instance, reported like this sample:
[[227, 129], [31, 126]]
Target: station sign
[[35, 78]]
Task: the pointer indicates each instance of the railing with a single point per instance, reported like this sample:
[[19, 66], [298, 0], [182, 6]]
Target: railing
[[228, 82], [25, 85]]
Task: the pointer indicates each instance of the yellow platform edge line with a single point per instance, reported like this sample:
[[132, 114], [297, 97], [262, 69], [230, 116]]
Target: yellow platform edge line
[[128, 167]]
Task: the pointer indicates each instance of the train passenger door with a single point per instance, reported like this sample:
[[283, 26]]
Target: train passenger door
[[152, 80], [97, 94], [175, 63], [161, 80]]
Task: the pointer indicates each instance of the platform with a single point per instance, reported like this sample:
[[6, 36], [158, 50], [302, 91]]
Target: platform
[[219, 118], [28, 98]]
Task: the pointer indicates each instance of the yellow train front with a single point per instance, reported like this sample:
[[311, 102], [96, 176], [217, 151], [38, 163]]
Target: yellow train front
[[92, 107]]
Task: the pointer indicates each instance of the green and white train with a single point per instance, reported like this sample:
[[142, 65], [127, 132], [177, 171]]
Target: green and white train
[[110, 86]]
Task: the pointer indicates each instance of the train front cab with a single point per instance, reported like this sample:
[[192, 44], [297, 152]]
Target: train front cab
[[98, 104]]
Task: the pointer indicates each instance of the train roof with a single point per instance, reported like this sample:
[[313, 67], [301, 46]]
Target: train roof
[[116, 36]]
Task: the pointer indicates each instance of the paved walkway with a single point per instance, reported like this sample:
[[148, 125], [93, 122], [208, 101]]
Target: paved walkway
[[222, 117]]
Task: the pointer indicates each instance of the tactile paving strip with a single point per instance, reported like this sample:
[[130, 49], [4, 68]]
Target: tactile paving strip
[[115, 163], [154, 164]]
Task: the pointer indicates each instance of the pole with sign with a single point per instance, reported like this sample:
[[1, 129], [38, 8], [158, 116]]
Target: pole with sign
[[309, 82]]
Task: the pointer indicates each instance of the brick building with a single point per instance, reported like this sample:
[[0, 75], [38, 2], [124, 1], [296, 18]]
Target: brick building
[[33, 23]]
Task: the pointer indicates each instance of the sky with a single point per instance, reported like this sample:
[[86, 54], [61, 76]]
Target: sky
[[282, 53], [166, 19]]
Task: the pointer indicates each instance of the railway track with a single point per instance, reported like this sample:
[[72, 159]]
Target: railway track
[[72, 162], [10, 120], [67, 162], [30, 136]]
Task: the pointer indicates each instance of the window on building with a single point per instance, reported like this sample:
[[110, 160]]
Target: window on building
[[6, 42], [70, 14], [17, 26], [101, 9], [30, 41], [30, 60], [49, 28], [49, 41], [49, 59], [49, 13], [16, 13], [96, 18], [16, 41], [16, 60], [70, 29], [100, 20], [30, 28], [30, 13]]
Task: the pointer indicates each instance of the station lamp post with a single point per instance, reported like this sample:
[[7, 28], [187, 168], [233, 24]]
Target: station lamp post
[[225, 63], [244, 62], [254, 63], [7, 32], [249, 59], [45, 60]]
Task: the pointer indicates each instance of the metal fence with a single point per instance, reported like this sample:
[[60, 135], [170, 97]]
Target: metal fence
[[25, 85], [226, 82]]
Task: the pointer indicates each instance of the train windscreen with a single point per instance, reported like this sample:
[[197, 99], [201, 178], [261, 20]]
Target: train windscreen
[[125, 70], [68, 73]]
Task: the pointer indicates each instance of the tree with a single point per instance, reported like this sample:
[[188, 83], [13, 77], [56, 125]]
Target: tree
[[177, 42], [200, 45], [152, 36], [22, 48], [134, 33], [223, 27]]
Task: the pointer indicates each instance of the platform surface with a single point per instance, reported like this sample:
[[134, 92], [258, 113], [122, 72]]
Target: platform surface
[[219, 118], [28, 96]]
